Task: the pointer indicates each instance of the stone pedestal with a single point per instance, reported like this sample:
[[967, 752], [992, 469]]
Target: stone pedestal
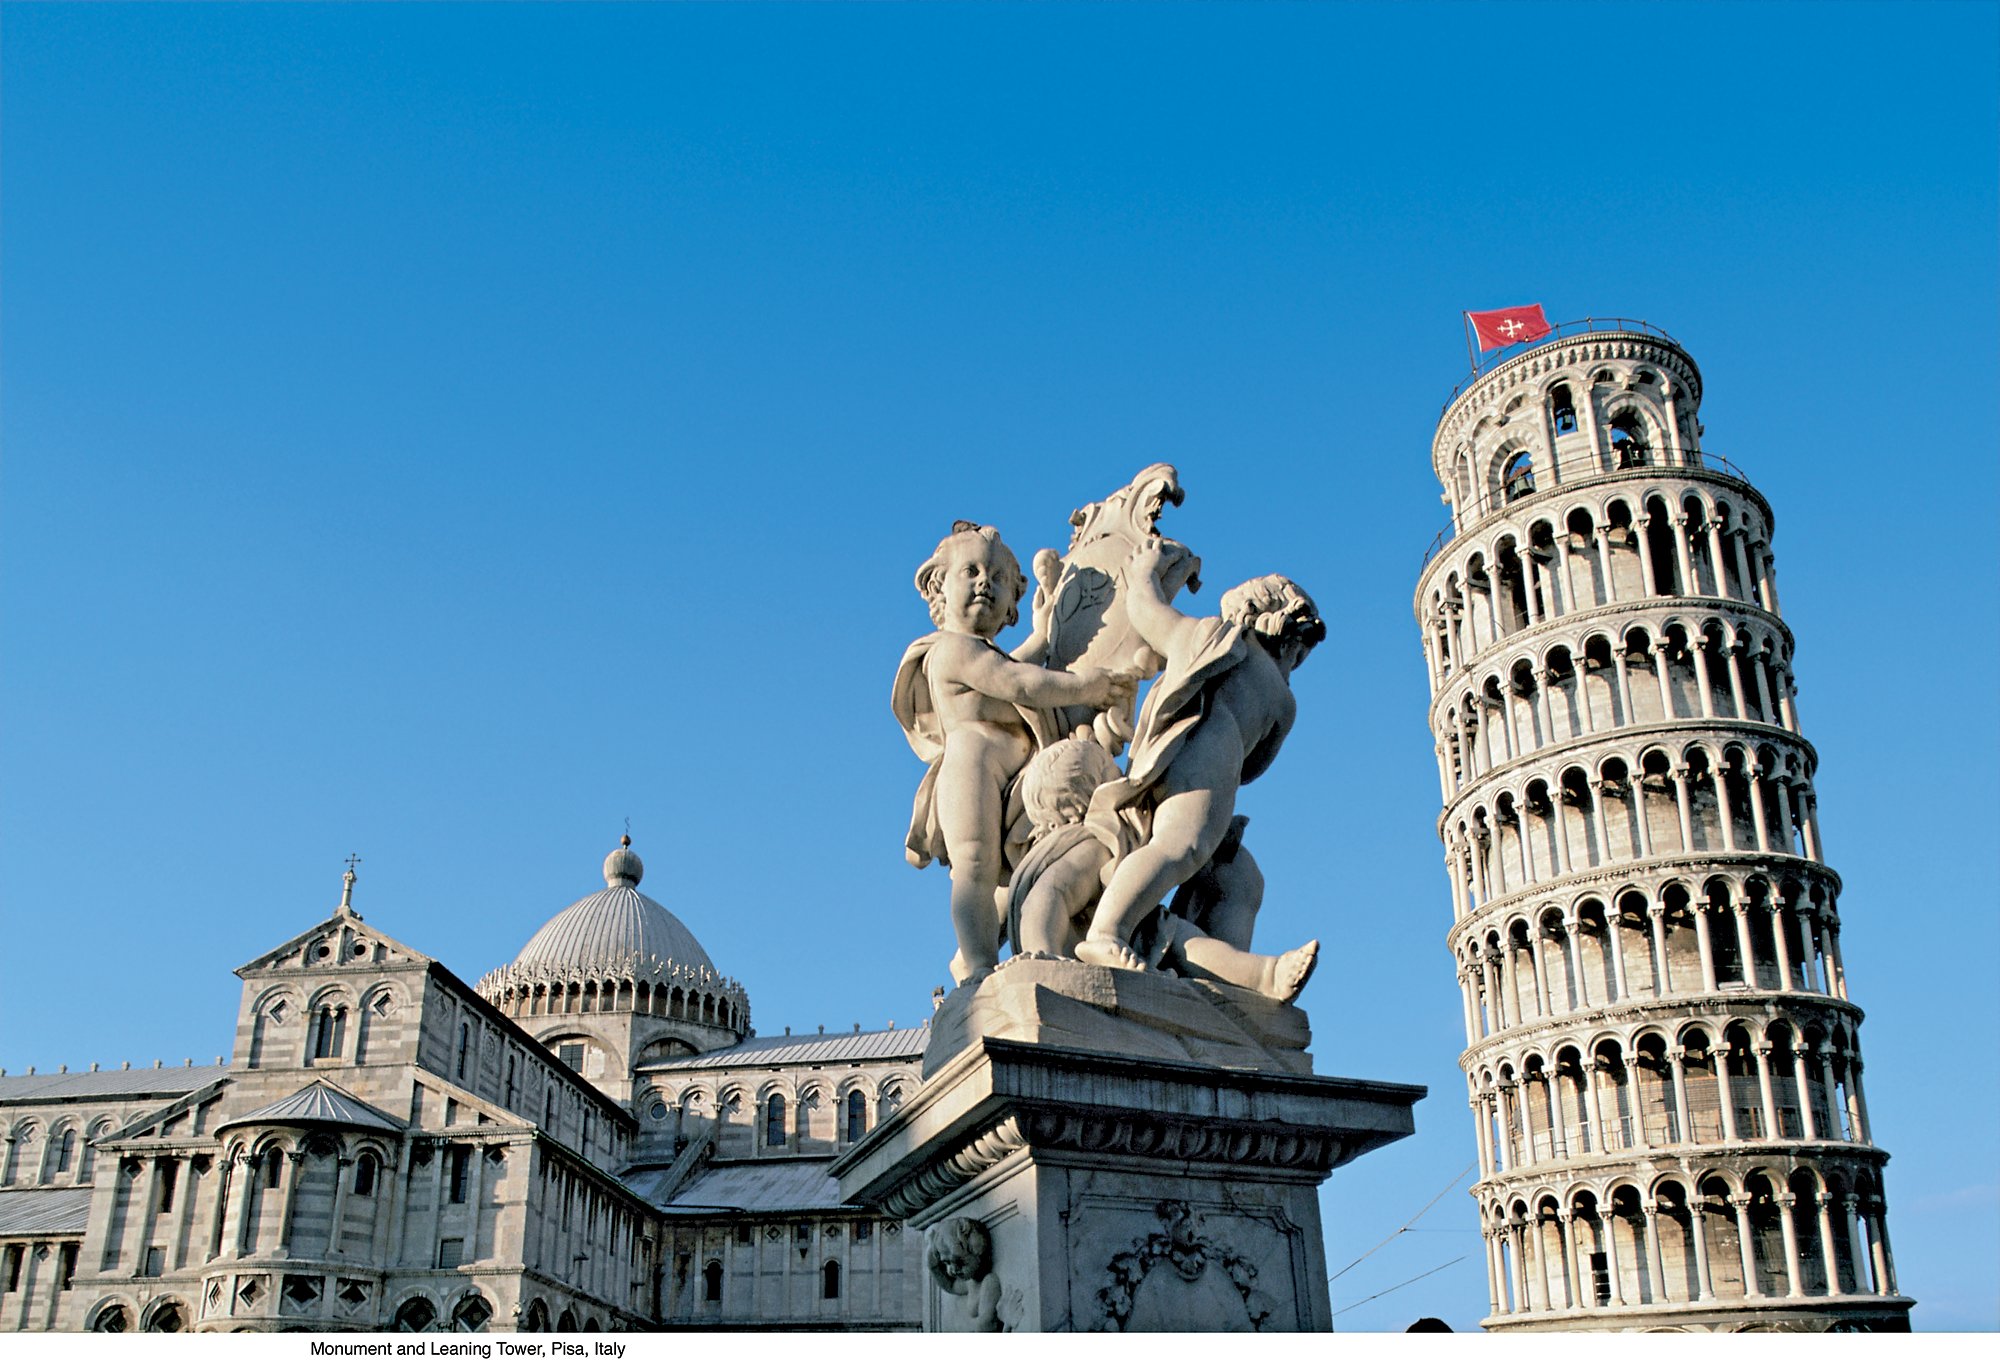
[[1123, 1187]]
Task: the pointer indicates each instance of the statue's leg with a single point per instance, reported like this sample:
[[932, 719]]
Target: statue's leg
[[1281, 976]]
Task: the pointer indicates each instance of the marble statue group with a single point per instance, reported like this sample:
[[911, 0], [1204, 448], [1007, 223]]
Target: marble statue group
[[1052, 846]]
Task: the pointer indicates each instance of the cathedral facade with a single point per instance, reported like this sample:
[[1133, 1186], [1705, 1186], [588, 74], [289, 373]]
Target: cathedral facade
[[590, 1139]]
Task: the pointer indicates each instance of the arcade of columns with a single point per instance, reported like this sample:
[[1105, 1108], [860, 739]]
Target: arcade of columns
[[1663, 1063]]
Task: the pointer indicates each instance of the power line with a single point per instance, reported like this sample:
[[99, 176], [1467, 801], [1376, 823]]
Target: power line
[[1412, 1281], [1405, 1228]]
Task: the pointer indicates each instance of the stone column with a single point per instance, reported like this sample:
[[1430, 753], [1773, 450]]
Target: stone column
[[1863, 1129], [1704, 688], [1726, 1085], [1725, 821], [1704, 944], [1559, 827], [1684, 1125], [1764, 1090], [1617, 948], [1794, 1275], [1623, 678], [1503, 1128], [1715, 558], [1704, 1285], [1779, 941], [1547, 680], [1809, 823], [1754, 775], [1808, 952], [225, 1187], [341, 1166], [1834, 1115], [1745, 947], [1888, 1258], [146, 1205], [294, 1168], [1746, 1246], [1607, 1224], [1579, 1296], [1789, 838], [1601, 544], [1681, 774], [1736, 692], [1541, 973], [1572, 927], [1660, 676], [1744, 582], [1689, 588], [1663, 981], [1807, 1127], [1558, 1116], [1649, 1213], [1857, 1260], [1765, 713], [1640, 527], [1541, 1263], [1824, 1204], [1493, 1270], [1589, 1070], [246, 1232], [1565, 574]]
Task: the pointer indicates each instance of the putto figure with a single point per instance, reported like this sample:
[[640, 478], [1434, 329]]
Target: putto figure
[[1059, 881], [1213, 721], [977, 715]]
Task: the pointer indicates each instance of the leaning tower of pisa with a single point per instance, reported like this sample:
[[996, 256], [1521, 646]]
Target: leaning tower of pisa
[[1662, 1060]]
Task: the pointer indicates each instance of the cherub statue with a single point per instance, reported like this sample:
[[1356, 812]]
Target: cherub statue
[[1059, 881], [1213, 721], [959, 1253], [976, 715]]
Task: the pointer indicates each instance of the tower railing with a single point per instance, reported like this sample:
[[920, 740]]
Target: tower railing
[[1576, 327], [1632, 460]]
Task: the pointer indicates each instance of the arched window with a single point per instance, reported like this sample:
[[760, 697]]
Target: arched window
[[461, 1163], [774, 1122], [415, 1315], [166, 1319], [364, 1174], [1519, 479], [1628, 443], [111, 1319], [471, 1314], [329, 1031], [711, 1283], [65, 1150], [464, 1048], [274, 1162], [1563, 409], [857, 1116], [829, 1281]]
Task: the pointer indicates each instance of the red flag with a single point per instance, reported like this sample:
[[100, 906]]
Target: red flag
[[1504, 326]]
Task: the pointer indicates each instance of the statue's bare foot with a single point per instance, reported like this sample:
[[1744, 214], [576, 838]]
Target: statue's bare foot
[[964, 974], [1109, 953], [1293, 970]]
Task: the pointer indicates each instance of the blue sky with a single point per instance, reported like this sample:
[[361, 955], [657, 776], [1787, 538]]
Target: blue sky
[[443, 433]]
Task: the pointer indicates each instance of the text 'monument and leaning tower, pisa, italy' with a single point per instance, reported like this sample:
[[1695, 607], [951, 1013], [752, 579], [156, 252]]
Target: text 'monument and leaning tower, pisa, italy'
[[1662, 1060]]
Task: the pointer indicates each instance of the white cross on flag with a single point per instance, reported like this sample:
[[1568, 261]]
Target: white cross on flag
[[1504, 326]]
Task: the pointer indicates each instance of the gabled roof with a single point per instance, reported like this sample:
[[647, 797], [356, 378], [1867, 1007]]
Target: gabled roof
[[764, 1185], [148, 1081], [62, 1210], [320, 1103], [281, 956], [876, 1045]]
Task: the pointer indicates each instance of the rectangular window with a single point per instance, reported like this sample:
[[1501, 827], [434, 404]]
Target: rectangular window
[[1600, 1278], [156, 1261], [743, 1235], [66, 1265], [451, 1252], [461, 1162], [570, 1055], [863, 1230], [169, 1176], [14, 1268]]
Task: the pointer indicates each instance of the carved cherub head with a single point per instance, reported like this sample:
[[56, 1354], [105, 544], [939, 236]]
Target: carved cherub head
[[1278, 610], [960, 1250], [1057, 784], [972, 581]]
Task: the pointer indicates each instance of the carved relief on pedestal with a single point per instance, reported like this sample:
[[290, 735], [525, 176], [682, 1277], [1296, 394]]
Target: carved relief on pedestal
[[1182, 1279]]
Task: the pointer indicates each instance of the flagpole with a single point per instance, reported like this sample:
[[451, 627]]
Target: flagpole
[[1465, 321]]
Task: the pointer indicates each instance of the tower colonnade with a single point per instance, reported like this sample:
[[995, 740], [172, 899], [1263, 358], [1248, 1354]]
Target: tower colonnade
[[1663, 1063]]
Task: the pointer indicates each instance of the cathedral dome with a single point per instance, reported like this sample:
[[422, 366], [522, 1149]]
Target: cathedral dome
[[616, 927]]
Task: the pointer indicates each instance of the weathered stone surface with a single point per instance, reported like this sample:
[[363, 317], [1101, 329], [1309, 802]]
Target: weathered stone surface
[[1124, 1192], [1133, 1014]]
